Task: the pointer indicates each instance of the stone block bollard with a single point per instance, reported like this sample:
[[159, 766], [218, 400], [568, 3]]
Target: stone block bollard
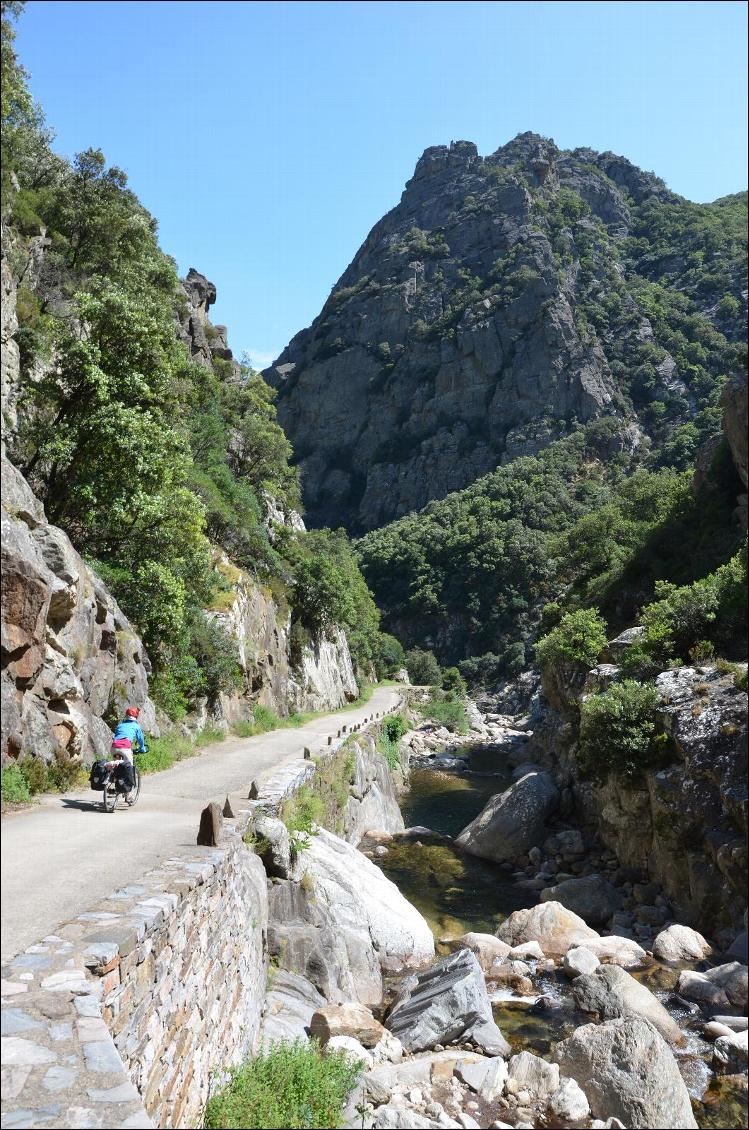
[[254, 792], [209, 832], [330, 739], [307, 754], [227, 810], [344, 729]]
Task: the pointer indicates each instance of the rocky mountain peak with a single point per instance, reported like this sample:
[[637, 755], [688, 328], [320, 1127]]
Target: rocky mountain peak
[[495, 308]]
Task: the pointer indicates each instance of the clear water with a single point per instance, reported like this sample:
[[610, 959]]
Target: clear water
[[456, 893]]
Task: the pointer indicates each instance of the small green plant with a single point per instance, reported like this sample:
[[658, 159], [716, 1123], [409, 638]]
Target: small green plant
[[303, 811], [702, 652], [289, 1085], [14, 786], [394, 727]]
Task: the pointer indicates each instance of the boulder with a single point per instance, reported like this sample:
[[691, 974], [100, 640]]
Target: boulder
[[352, 1049], [566, 842], [555, 928], [738, 948], [614, 950], [590, 896], [611, 992], [578, 961], [446, 1003], [486, 1077], [345, 924], [730, 1054], [486, 947], [680, 943], [349, 1019], [725, 986], [273, 844], [534, 1074], [627, 1069], [569, 1102], [512, 821]]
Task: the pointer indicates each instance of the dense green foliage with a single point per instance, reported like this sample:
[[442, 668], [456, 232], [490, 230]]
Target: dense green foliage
[[694, 622], [566, 527], [579, 638], [289, 1085], [423, 669], [145, 458], [14, 787], [617, 730]]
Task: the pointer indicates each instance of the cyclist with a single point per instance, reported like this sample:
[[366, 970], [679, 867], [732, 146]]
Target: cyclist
[[127, 736]]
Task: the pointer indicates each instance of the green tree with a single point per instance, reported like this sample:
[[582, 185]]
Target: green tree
[[423, 669], [617, 729]]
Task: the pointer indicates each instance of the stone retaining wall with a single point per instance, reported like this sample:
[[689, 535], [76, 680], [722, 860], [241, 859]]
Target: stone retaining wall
[[122, 1017]]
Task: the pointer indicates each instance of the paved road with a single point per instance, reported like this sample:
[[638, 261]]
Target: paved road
[[63, 855]]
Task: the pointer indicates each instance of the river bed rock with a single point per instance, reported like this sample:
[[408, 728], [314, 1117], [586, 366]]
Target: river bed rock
[[555, 928], [611, 992], [594, 898], [627, 1070], [512, 821], [681, 943], [445, 1003]]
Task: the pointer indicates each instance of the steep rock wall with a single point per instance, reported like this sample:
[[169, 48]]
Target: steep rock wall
[[323, 676], [69, 654], [684, 823]]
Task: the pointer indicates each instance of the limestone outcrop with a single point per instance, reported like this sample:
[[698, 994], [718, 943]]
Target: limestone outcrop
[[70, 657]]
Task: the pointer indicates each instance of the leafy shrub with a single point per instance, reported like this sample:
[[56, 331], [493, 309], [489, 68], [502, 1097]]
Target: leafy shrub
[[394, 727], [710, 611], [289, 1085], [390, 750], [448, 713], [303, 810], [423, 669], [617, 730], [14, 786], [580, 636], [390, 655], [453, 681]]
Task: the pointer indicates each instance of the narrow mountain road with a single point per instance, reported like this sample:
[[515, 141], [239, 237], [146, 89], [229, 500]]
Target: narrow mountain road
[[64, 854]]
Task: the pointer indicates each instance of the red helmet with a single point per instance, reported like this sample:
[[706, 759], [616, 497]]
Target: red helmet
[[132, 712]]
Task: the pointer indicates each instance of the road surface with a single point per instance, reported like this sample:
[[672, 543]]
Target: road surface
[[65, 854]]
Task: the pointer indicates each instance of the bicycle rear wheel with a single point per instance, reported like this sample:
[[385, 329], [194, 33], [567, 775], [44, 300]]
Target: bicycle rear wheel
[[134, 793], [111, 795]]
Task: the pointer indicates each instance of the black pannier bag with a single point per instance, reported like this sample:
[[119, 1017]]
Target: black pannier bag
[[98, 776]]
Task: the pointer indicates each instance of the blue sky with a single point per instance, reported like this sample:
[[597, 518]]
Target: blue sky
[[267, 138]]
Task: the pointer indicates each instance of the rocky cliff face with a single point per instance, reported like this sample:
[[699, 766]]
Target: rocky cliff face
[[70, 657], [321, 678], [685, 822], [480, 317]]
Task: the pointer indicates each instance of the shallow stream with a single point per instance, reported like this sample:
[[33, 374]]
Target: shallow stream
[[456, 893]]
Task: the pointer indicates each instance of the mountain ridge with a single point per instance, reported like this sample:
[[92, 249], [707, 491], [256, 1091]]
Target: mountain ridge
[[503, 300]]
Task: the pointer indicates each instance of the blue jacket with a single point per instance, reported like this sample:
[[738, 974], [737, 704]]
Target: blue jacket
[[129, 728]]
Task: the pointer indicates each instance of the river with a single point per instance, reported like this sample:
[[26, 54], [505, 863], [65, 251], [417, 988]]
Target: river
[[457, 892]]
